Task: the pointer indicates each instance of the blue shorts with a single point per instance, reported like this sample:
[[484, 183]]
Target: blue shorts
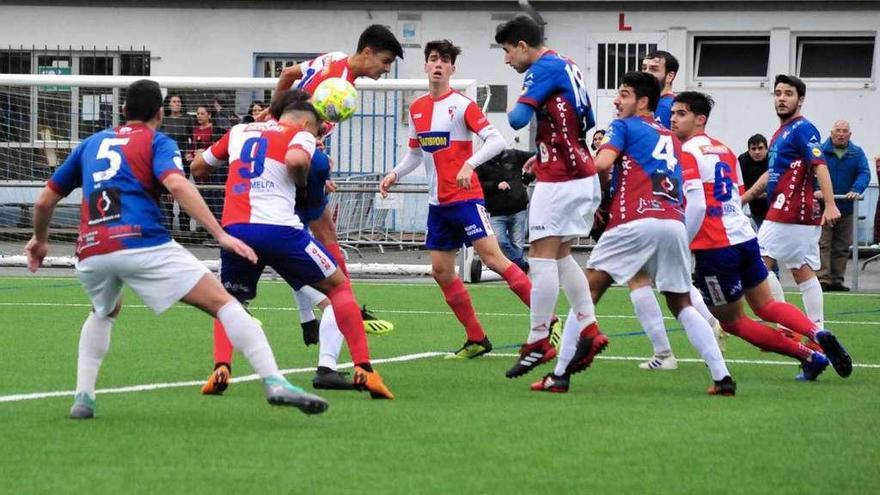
[[311, 213], [291, 252], [450, 226], [723, 274]]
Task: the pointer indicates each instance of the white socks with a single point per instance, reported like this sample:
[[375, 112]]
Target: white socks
[[94, 340], [648, 312], [307, 298], [568, 346], [248, 337], [703, 339], [545, 291], [775, 286], [331, 339], [811, 293], [700, 305], [583, 313]]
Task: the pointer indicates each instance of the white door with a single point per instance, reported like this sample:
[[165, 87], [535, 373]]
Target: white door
[[610, 56]]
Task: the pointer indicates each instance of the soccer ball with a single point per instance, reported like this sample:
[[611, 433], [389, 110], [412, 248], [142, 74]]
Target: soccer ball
[[335, 99]]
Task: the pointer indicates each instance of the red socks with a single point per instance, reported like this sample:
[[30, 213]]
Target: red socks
[[788, 316], [350, 321], [459, 300], [766, 338], [336, 252], [519, 283], [222, 346]]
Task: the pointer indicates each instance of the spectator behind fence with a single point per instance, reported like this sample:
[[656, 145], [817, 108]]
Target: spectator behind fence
[[850, 176], [177, 125], [253, 110], [877, 211], [222, 119], [602, 215], [504, 186], [753, 164], [203, 136]]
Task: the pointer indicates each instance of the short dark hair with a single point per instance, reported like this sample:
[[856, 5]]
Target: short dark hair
[[444, 48], [520, 28], [379, 38], [791, 81], [643, 84], [669, 60], [143, 99], [698, 103], [294, 100], [756, 140], [599, 131]]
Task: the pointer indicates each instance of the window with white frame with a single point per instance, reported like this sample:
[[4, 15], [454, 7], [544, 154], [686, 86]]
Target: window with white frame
[[838, 57], [616, 59], [731, 57]]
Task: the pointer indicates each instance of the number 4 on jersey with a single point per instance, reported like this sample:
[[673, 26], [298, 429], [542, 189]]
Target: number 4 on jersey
[[665, 151]]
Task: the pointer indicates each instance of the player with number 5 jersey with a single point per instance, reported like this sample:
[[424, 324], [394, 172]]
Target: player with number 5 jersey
[[267, 161]]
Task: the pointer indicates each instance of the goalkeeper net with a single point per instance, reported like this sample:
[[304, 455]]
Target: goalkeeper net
[[44, 117]]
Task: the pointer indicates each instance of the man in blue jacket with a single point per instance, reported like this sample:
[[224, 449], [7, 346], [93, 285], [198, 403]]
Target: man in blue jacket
[[850, 175]]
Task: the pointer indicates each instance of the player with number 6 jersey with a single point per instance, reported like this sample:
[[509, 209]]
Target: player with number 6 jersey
[[268, 160], [728, 261]]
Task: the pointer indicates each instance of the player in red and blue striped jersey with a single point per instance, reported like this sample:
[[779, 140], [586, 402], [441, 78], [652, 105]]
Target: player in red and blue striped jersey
[[728, 260], [122, 242], [567, 192]]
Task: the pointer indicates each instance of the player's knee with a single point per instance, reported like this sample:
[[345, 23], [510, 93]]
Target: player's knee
[[442, 274]]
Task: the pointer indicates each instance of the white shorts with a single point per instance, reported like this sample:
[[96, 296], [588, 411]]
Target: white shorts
[[660, 247], [791, 245], [159, 275], [564, 209]]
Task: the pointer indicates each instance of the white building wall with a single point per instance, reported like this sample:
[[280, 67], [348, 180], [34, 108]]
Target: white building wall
[[222, 42]]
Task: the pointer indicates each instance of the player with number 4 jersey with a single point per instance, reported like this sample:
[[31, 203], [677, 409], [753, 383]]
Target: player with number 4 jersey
[[728, 261]]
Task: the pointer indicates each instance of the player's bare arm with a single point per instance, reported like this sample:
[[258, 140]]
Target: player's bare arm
[[757, 189], [199, 168], [298, 162], [37, 248], [831, 214], [191, 201], [389, 180]]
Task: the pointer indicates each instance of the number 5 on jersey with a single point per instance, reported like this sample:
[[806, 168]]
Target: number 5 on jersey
[[105, 151]]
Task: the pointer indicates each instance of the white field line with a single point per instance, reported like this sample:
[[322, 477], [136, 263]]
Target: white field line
[[396, 359], [429, 283], [390, 311], [193, 383]]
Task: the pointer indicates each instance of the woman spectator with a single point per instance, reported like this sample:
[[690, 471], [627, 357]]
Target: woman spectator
[[203, 136], [253, 110]]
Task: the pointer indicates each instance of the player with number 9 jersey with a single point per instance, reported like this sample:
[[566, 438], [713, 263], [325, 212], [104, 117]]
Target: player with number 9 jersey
[[120, 171]]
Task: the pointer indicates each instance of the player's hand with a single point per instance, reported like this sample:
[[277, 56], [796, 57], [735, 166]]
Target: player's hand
[[529, 166], [503, 186], [386, 183], [330, 186], [852, 196], [817, 195], [464, 176], [36, 252], [262, 116], [831, 215], [238, 247]]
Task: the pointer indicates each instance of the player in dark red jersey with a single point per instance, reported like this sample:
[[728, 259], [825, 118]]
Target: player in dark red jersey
[[790, 233]]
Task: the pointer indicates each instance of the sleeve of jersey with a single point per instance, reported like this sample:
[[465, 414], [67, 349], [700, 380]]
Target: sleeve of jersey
[[304, 141], [68, 176], [410, 162], [413, 136], [537, 87], [811, 144], [615, 138], [690, 171], [166, 157], [493, 145], [218, 153], [474, 118]]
